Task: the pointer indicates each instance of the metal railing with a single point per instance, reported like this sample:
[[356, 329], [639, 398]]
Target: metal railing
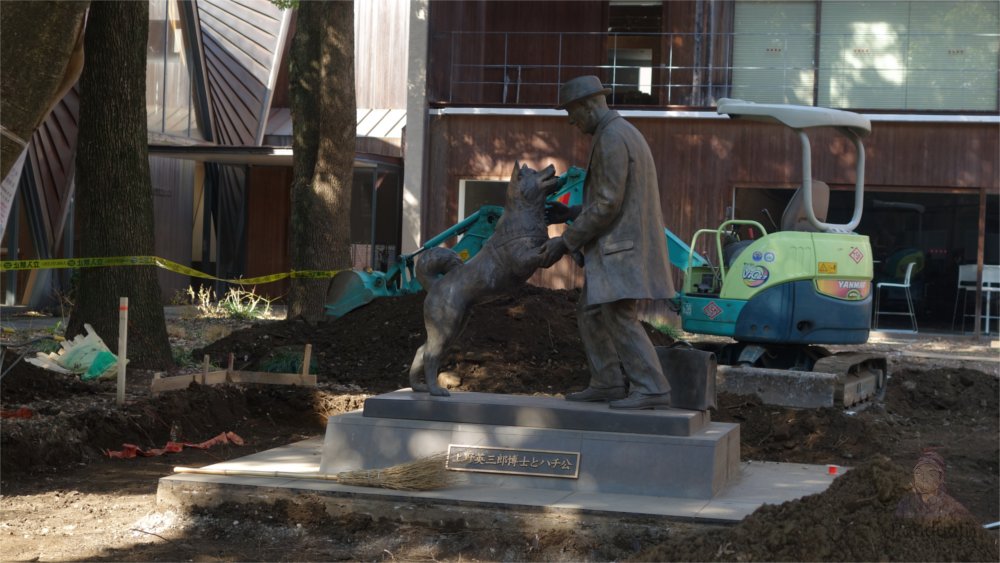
[[857, 71]]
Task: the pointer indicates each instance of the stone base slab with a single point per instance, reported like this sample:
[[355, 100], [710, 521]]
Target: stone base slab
[[695, 466]]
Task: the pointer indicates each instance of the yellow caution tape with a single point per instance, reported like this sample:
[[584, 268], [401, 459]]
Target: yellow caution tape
[[110, 261]]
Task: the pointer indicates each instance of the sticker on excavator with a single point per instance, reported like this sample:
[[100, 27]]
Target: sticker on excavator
[[710, 315], [849, 290], [755, 275], [712, 310]]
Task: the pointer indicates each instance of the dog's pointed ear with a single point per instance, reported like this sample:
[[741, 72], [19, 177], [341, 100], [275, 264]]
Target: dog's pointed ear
[[516, 172]]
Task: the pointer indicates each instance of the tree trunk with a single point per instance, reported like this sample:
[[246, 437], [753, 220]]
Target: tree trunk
[[114, 193], [323, 119], [39, 40]]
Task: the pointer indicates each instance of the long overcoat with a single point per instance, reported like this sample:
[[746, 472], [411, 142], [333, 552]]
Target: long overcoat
[[619, 230]]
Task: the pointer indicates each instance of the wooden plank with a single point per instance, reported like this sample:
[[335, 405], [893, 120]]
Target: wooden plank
[[174, 383], [273, 378], [306, 358], [162, 384]]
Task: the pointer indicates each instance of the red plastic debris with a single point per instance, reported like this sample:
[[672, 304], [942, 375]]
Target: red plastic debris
[[23, 412], [130, 451]]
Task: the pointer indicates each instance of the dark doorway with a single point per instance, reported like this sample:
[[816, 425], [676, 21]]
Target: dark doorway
[[376, 215], [936, 229]]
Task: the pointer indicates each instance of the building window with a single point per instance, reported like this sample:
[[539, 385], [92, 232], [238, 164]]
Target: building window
[[473, 194], [633, 50], [921, 55], [909, 55], [169, 91], [774, 52], [376, 215]]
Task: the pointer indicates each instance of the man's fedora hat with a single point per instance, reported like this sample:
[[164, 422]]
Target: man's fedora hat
[[579, 88]]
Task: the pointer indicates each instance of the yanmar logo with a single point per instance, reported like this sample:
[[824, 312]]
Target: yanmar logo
[[851, 290]]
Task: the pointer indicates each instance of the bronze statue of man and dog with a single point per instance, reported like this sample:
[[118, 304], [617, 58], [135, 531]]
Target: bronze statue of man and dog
[[617, 232]]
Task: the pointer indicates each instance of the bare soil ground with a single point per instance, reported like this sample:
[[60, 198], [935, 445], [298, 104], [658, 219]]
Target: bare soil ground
[[62, 499]]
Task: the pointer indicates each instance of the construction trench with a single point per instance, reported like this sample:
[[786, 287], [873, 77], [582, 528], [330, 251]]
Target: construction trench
[[941, 393]]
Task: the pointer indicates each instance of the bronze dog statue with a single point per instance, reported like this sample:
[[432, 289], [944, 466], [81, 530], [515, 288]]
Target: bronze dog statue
[[506, 260]]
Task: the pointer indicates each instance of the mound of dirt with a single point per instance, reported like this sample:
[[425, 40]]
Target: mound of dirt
[[528, 344], [26, 383], [520, 344], [68, 432], [854, 520]]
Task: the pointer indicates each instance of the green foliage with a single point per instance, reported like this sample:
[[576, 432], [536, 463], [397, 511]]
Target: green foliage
[[181, 297], [245, 304], [238, 303], [58, 330], [286, 4], [46, 346], [204, 299], [671, 331], [182, 357], [286, 359]]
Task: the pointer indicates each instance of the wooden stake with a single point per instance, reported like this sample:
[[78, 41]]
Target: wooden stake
[[306, 358], [204, 370], [122, 347]]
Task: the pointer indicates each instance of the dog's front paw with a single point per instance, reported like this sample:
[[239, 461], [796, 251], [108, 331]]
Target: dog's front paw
[[419, 387], [440, 392]]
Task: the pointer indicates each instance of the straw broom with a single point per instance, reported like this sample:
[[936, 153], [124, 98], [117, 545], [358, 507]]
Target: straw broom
[[425, 474]]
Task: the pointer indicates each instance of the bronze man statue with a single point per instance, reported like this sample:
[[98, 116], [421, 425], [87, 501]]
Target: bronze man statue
[[618, 232]]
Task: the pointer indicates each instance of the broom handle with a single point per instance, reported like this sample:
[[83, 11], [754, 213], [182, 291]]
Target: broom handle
[[252, 473]]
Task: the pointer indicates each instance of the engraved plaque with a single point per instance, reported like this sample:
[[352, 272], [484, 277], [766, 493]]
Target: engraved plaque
[[511, 461]]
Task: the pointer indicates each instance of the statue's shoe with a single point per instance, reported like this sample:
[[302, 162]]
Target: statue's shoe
[[637, 401], [594, 394]]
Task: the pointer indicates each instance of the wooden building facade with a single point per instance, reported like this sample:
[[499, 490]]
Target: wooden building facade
[[220, 131], [924, 72], [932, 181]]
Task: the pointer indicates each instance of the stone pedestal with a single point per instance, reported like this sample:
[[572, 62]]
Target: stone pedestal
[[525, 442]]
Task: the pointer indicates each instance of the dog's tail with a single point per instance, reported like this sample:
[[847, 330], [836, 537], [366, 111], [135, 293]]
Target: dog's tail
[[434, 263]]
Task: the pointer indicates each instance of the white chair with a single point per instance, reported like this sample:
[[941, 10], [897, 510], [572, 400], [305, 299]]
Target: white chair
[[991, 285], [966, 283], [905, 286]]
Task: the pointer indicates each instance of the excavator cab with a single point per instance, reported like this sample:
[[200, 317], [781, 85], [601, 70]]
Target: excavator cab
[[783, 293], [808, 283]]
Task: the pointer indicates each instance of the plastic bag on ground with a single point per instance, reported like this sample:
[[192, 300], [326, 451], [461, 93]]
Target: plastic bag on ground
[[85, 355]]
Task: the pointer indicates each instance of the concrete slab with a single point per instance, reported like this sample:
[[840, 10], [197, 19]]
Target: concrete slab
[[759, 483], [691, 466], [800, 389]]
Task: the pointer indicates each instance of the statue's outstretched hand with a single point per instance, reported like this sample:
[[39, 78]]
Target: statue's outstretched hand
[[556, 213], [550, 252]]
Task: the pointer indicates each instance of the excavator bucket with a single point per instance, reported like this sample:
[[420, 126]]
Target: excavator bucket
[[352, 289]]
